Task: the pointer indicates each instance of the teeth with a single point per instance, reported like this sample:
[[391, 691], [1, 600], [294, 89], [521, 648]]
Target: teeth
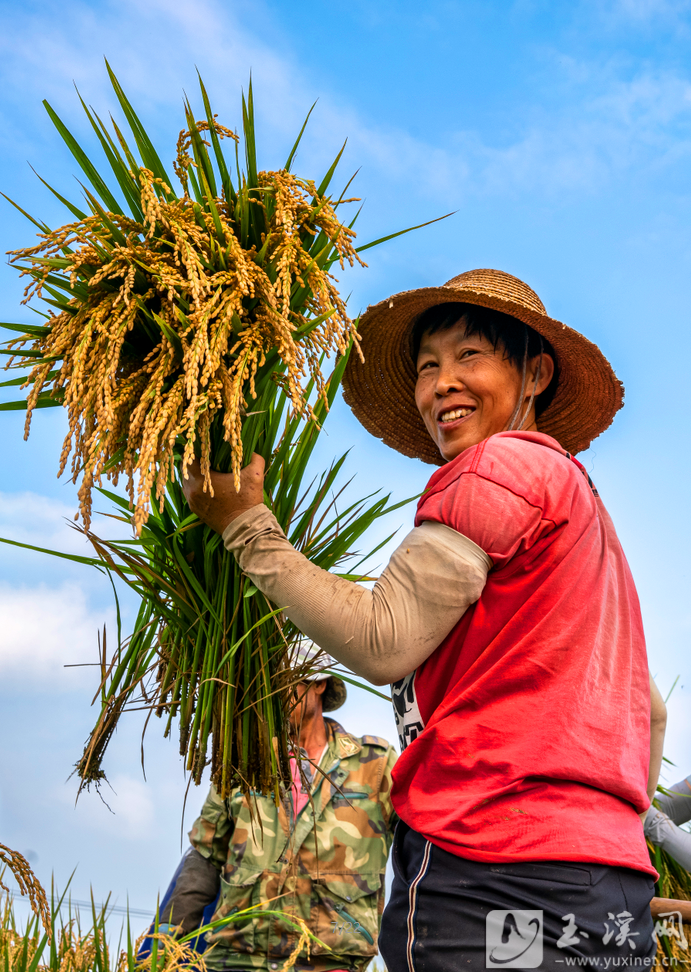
[[456, 414]]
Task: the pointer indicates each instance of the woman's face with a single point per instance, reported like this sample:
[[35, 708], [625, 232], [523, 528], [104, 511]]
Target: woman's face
[[307, 702], [466, 390]]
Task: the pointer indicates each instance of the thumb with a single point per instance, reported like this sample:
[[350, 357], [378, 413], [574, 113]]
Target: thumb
[[257, 464]]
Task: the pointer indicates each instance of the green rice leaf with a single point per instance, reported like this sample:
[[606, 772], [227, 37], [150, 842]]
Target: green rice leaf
[[23, 353], [226, 182], [250, 137], [121, 171], [26, 328], [201, 156], [44, 228], [144, 144], [22, 380], [75, 558], [326, 181], [78, 213], [20, 406], [392, 236], [291, 154], [84, 162]]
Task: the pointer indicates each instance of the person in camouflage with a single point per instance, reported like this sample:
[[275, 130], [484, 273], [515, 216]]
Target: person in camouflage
[[321, 852]]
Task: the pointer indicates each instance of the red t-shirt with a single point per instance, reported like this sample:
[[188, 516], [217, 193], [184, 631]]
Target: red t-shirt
[[527, 730]]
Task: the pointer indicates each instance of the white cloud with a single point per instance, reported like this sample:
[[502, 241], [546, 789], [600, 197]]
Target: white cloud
[[46, 51], [677, 736], [131, 801], [607, 124], [126, 808], [607, 120], [44, 628], [48, 523], [41, 521], [644, 10]]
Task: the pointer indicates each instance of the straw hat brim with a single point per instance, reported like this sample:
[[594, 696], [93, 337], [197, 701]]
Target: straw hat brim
[[381, 389]]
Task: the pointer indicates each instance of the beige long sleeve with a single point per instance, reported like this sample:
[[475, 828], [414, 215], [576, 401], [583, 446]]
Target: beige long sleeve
[[381, 634]]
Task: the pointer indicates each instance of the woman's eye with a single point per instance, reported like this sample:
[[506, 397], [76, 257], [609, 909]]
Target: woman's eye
[[426, 365]]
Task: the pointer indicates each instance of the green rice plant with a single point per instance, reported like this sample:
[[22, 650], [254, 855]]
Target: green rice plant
[[192, 318], [674, 881], [67, 945]]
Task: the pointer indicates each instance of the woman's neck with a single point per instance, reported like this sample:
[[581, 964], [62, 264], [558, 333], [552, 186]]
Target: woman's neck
[[313, 736]]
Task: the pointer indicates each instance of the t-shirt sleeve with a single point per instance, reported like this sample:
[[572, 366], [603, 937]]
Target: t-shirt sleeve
[[500, 521]]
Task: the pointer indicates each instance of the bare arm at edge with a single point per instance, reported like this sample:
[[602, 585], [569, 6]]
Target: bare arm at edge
[[658, 724], [382, 634]]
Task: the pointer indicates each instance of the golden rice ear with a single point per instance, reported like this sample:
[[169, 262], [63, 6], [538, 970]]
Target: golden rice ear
[[29, 885], [176, 286]]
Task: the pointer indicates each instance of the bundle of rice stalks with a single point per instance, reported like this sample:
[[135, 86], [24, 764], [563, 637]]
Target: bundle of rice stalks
[[183, 323], [173, 316]]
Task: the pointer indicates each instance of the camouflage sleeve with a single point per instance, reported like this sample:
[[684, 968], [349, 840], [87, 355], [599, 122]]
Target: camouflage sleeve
[[212, 830], [390, 815]]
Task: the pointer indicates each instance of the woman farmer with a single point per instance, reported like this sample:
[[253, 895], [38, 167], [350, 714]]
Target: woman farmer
[[509, 626]]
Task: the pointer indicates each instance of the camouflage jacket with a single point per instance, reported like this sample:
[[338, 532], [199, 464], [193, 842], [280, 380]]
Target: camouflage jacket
[[327, 866]]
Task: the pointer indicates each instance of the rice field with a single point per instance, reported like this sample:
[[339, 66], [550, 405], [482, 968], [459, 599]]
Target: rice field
[[69, 942], [62, 940]]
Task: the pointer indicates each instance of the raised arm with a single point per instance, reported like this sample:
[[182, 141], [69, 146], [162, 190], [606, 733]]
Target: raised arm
[[381, 634]]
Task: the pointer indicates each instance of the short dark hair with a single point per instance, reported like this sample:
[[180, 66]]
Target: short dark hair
[[501, 330]]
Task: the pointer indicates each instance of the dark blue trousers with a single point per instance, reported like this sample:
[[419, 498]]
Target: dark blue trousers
[[447, 913]]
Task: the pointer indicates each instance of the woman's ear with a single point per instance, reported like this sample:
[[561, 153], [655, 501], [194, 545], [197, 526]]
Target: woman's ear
[[545, 362]]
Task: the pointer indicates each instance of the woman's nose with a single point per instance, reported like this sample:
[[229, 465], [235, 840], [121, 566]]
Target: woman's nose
[[447, 381]]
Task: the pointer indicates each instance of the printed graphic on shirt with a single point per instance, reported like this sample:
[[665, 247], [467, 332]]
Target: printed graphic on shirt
[[408, 719]]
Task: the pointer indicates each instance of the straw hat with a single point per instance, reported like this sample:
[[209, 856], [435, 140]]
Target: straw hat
[[381, 390]]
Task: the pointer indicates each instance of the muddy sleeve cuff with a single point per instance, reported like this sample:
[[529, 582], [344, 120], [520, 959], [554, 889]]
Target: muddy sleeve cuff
[[676, 801], [381, 634]]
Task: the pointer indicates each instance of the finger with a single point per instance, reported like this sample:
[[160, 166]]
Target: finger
[[257, 464]]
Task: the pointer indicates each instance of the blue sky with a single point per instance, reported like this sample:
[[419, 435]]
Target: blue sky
[[560, 133]]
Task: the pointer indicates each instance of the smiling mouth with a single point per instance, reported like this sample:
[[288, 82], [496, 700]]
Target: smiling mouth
[[454, 414]]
